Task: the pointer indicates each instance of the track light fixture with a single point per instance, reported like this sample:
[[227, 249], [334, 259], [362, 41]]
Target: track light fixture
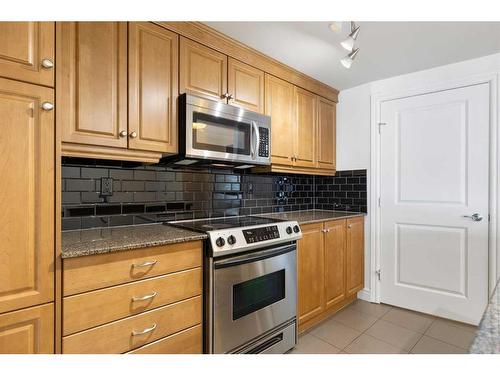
[[348, 44]]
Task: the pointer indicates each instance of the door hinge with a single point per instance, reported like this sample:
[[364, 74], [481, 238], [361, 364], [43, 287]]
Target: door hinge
[[377, 272], [380, 124]]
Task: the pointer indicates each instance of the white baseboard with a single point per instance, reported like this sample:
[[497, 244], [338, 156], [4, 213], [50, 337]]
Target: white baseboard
[[365, 295]]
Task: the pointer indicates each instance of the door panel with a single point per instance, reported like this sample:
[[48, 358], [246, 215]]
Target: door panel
[[23, 46], [335, 260], [305, 139], [203, 71], [153, 87], [310, 272], [434, 164], [26, 195], [28, 331], [355, 253], [92, 82], [246, 85], [280, 104], [326, 133]]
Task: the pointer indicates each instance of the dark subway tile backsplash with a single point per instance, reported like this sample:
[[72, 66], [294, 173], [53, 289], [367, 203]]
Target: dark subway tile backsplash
[[148, 194]]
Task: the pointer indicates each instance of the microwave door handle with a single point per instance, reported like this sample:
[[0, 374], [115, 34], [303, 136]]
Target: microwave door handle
[[256, 140]]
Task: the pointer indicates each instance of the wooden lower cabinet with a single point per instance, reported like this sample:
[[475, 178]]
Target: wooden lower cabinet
[[28, 331], [330, 268], [184, 342]]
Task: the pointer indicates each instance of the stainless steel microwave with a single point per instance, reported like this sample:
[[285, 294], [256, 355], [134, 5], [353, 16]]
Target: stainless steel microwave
[[212, 133]]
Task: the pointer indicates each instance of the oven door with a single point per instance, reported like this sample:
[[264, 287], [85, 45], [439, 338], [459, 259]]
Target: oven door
[[253, 294]]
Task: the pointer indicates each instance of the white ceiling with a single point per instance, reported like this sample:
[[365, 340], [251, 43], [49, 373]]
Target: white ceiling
[[387, 49]]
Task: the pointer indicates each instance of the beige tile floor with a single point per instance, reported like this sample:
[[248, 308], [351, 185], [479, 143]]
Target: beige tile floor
[[368, 328]]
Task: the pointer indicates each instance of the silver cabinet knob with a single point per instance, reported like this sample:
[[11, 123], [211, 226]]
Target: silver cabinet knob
[[230, 97], [225, 96], [474, 217], [349, 226], [47, 106], [123, 133], [47, 63], [133, 135]]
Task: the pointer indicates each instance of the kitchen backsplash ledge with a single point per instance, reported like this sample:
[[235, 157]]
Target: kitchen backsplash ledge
[[146, 194]]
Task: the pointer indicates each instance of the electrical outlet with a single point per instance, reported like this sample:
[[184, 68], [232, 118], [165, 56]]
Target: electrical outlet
[[106, 187]]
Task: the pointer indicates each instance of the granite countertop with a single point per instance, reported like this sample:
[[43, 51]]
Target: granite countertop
[[77, 243], [487, 339], [312, 216]]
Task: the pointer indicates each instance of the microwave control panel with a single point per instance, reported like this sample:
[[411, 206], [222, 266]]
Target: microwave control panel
[[261, 234], [264, 142]]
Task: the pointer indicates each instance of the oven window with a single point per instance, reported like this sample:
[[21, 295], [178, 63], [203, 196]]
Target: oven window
[[213, 133], [255, 294]]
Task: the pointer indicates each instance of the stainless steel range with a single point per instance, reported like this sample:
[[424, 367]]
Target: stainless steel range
[[250, 283]]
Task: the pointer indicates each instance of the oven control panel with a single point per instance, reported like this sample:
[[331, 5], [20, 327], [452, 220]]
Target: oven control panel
[[261, 234], [263, 142]]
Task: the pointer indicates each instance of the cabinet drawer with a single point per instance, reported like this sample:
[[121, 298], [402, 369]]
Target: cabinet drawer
[[28, 331], [99, 271], [91, 309], [188, 341], [118, 337]]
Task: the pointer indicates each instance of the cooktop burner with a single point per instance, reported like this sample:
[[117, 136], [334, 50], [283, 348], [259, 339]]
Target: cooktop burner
[[205, 225]]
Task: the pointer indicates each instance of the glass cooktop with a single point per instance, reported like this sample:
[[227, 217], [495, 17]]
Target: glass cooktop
[[205, 225]]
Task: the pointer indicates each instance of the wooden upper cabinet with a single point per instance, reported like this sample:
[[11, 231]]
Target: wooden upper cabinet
[[26, 195], [245, 85], [279, 105], [355, 252], [310, 266], [326, 133], [335, 245], [27, 51], [92, 82], [305, 138], [203, 71], [153, 87], [28, 331]]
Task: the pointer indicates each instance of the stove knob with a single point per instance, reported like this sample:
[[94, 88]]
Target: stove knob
[[220, 242], [231, 240], [296, 229], [289, 230]]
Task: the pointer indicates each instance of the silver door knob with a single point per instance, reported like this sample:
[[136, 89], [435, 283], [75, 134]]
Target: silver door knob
[[123, 133], [47, 106], [474, 217], [133, 135], [47, 63]]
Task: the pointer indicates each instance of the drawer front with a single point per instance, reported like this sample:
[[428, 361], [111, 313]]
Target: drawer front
[[99, 271], [189, 341], [91, 309], [28, 331], [124, 335]]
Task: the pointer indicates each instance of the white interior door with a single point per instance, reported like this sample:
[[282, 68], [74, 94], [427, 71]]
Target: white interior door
[[434, 172]]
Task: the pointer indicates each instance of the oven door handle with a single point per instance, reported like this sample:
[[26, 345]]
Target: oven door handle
[[255, 256]]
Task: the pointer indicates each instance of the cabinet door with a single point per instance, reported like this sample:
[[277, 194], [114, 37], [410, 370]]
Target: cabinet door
[[310, 272], [28, 331], [305, 136], [26, 195], [23, 47], [153, 88], [326, 134], [92, 82], [280, 106], [202, 71], [246, 86], [335, 260], [355, 255]]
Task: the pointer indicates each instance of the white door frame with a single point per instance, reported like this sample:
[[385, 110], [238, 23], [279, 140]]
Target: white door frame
[[376, 100]]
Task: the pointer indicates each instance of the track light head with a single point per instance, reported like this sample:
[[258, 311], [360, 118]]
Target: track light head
[[348, 44], [347, 61]]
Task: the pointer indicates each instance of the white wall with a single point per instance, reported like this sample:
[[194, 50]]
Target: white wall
[[354, 123]]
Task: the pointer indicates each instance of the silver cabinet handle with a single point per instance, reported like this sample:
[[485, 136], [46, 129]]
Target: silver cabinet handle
[[123, 133], [47, 106], [144, 298], [133, 135], [145, 264], [144, 331], [47, 63], [474, 217]]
